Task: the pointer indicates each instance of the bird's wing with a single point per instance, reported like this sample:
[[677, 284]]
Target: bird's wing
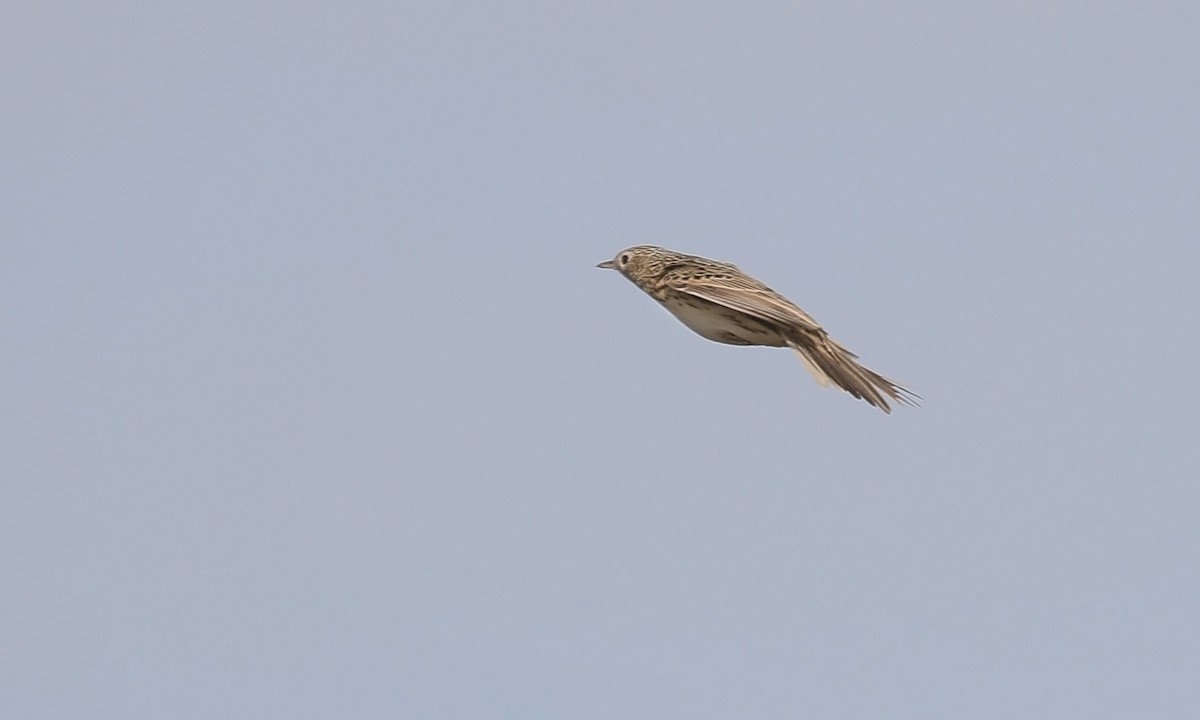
[[748, 296]]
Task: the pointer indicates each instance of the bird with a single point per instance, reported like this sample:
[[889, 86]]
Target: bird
[[719, 302]]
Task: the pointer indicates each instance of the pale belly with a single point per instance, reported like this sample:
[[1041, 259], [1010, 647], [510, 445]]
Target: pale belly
[[721, 324]]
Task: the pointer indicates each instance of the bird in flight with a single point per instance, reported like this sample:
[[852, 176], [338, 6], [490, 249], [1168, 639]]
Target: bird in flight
[[721, 303]]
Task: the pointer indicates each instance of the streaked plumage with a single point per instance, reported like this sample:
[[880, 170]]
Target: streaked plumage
[[721, 303]]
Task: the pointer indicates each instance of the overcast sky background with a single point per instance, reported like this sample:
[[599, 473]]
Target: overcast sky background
[[314, 404]]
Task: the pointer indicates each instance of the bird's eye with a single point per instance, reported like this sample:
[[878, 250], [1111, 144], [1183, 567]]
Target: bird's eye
[[624, 259]]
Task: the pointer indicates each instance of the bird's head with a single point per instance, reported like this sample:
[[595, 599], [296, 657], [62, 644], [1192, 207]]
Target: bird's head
[[636, 262]]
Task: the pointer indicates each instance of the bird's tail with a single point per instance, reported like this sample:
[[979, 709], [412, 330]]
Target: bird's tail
[[828, 362]]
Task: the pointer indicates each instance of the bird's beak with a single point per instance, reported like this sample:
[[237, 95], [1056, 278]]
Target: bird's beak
[[607, 265]]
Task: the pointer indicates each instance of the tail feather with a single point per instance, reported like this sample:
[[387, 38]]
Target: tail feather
[[816, 372], [827, 361]]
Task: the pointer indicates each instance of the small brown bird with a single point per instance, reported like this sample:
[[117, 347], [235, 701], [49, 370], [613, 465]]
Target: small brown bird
[[723, 304]]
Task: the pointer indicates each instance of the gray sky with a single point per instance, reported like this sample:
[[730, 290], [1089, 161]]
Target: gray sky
[[315, 406]]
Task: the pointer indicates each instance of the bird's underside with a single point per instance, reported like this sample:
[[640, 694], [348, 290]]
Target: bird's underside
[[824, 358]]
